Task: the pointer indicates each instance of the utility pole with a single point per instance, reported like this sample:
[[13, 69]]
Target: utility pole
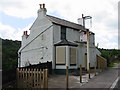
[[87, 34], [88, 50], [83, 20]]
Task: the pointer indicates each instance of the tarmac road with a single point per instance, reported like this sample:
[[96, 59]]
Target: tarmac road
[[117, 84]]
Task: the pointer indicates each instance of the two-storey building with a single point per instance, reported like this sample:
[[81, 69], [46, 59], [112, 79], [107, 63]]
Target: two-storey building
[[57, 40]]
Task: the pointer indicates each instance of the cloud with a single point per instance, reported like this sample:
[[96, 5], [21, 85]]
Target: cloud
[[8, 32], [19, 8], [104, 14]]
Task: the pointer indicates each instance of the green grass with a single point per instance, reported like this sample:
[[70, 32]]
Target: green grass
[[112, 64]]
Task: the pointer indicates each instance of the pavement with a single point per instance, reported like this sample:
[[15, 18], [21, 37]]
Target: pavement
[[104, 79]]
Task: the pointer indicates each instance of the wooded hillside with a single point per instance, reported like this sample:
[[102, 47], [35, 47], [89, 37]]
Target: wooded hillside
[[9, 54], [110, 54]]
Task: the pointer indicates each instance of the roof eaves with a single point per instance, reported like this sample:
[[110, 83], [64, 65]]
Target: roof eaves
[[58, 21]]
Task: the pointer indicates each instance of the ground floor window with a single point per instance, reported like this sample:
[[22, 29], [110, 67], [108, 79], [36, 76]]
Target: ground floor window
[[60, 55], [73, 56]]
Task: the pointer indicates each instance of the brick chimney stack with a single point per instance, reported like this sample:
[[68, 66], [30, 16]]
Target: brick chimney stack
[[25, 33], [42, 11]]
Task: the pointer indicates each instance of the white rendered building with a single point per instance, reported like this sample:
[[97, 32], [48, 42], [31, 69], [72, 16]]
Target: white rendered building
[[57, 40]]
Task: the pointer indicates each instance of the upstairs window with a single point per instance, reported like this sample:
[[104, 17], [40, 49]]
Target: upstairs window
[[63, 32]]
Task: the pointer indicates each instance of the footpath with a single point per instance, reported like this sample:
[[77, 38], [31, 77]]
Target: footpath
[[104, 79]]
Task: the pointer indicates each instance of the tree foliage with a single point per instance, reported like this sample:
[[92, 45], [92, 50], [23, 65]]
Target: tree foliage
[[9, 54], [110, 54]]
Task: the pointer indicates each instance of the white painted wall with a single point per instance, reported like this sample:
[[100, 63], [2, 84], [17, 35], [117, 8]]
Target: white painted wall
[[72, 35], [34, 51], [39, 43]]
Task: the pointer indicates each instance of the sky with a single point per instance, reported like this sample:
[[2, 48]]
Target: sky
[[17, 16]]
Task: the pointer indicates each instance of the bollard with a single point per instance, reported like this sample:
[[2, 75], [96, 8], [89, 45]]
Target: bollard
[[80, 73], [89, 71], [99, 66], [95, 69], [67, 77]]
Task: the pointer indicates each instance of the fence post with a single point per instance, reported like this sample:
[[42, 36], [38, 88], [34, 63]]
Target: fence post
[[89, 71], [21, 86], [23, 77], [32, 80], [37, 79], [28, 86], [34, 77], [80, 73], [67, 77], [26, 77], [40, 78], [46, 78], [43, 79]]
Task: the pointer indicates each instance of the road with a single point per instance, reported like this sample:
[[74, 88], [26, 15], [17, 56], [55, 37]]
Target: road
[[117, 82]]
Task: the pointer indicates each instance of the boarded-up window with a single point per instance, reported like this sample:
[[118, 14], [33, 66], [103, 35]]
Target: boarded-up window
[[73, 53], [60, 55]]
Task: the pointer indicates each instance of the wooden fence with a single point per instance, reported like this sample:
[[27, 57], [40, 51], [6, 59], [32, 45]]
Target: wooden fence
[[32, 78], [101, 62], [46, 65]]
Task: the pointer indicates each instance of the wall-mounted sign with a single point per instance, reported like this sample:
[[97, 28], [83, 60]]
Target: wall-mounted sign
[[83, 38]]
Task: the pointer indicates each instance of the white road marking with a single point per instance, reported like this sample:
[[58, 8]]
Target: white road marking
[[114, 84]]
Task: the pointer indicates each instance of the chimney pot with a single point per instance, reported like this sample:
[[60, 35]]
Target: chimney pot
[[24, 33], [40, 5], [43, 5]]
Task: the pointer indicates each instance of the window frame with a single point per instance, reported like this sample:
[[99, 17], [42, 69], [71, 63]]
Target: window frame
[[63, 32]]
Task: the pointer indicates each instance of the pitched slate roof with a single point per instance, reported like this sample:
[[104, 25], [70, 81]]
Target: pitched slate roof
[[65, 23], [65, 42]]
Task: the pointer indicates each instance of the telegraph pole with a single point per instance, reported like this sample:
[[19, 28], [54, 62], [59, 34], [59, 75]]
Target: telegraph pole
[[87, 34], [88, 50]]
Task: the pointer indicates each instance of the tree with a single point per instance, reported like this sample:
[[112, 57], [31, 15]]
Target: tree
[[9, 54]]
